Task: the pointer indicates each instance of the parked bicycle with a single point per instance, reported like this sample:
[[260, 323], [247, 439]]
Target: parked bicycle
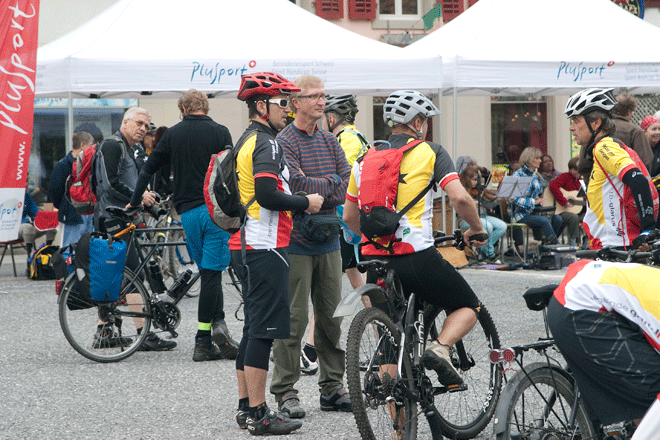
[[139, 306], [542, 400], [172, 258], [386, 380]]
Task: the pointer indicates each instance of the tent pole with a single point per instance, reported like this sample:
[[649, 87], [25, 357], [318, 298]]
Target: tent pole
[[454, 149], [69, 137]]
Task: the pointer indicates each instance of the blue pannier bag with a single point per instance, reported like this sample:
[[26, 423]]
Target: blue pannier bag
[[99, 261]]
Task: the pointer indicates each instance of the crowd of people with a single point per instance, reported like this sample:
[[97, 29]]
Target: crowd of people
[[311, 165]]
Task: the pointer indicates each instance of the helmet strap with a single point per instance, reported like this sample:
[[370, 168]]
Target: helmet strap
[[331, 129], [412, 127]]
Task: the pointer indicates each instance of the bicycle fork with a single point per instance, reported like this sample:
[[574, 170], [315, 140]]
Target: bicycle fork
[[415, 330]]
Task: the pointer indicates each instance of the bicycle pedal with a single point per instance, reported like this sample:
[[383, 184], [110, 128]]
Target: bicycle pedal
[[450, 389]]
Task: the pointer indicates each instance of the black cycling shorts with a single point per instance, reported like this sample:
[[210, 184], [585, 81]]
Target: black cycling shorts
[[348, 260], [616, 369], [266, 293], [431, 277]]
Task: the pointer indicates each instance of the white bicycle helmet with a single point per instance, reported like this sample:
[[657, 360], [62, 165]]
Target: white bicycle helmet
[[402, 106], [589, 100]]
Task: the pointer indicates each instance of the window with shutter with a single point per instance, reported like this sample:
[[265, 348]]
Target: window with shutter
[[451, 9], [329, 9], [362, 9]]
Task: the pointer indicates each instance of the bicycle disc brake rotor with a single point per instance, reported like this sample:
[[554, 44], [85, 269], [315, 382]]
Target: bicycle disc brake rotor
[[166, 314]]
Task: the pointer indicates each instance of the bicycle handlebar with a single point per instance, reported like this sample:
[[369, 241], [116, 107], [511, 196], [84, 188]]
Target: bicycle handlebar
[[610, 254]]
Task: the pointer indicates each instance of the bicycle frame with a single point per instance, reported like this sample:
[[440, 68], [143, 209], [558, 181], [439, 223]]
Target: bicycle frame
[[144, 259]]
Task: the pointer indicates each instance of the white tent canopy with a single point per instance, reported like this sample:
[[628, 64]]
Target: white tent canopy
[[165, 47], [545, 47]]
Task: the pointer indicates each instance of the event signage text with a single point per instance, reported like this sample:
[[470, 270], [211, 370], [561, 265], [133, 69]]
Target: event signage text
[[18, 47], [581, 71]]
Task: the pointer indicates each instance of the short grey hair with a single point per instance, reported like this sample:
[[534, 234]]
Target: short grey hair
[[131, 112]]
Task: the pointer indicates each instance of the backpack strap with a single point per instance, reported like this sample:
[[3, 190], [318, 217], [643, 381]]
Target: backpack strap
[[419, 196]]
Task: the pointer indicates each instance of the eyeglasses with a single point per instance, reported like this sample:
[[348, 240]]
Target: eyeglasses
[[282, 102], [314, 98], [141, 124]]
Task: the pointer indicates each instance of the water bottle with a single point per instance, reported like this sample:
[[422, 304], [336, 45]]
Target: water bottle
[[180, 284], [158, 285]]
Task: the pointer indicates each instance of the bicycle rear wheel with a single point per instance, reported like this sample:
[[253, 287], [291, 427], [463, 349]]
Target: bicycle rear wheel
[[540, 407], [371, 356], [99, 331], [467, 412]]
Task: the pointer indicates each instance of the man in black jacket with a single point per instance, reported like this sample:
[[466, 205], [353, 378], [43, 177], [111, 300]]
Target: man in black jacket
[[75, 225], [116, 170], [187, 147]]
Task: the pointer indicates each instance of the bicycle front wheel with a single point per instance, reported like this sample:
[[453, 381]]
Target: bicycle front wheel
[[101, 332], [542, 405], [371, 368], [466, 412]]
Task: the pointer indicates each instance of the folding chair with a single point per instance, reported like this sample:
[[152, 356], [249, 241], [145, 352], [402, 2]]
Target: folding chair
[[10, 245], [510, 227]]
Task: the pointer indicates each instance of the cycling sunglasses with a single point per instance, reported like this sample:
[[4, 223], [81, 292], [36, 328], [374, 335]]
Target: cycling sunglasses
[[282, 102]]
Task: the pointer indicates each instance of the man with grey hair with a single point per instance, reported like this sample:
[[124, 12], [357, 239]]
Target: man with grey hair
[[627, 132], [116, 170]]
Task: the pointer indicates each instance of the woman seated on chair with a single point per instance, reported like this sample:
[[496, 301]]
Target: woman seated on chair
[[494, 226], [523, 207]]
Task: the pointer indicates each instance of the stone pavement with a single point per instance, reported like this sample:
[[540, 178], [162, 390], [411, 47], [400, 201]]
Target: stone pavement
[[49, 391]]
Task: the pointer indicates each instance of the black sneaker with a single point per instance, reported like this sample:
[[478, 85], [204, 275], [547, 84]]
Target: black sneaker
[[154, 343], [106, 337], [206, 350], [222, 338], [241, 418], [272, 424], [337, 401]]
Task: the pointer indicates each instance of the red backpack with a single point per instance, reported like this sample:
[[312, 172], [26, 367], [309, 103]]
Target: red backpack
[[379, 184], [79, 184]]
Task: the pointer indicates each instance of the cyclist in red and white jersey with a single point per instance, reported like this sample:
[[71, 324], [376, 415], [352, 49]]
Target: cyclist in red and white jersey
[[605, 318], [623, 205]]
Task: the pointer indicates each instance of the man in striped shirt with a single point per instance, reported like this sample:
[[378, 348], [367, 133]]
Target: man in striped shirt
[[317, 164]]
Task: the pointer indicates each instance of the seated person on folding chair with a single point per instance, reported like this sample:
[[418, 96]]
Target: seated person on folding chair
[[543, 227], [28, 232], [493, 225], [561, 188]]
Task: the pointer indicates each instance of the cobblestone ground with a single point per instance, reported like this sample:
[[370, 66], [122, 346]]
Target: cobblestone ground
[[49, 391]]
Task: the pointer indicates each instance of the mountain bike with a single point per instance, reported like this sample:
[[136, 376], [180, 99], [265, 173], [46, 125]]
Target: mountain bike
[[386, 379], [542, 400], [139, 305]]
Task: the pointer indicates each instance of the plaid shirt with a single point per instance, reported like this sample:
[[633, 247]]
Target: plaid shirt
[[523, 206]]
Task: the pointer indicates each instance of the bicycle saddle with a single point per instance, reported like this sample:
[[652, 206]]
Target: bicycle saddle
[[537, 298]]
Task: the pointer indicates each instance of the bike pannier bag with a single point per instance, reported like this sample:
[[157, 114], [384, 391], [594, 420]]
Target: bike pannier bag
[[99, 264]]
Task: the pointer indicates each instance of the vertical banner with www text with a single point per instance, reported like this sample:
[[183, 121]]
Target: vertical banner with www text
[[19, 25]]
